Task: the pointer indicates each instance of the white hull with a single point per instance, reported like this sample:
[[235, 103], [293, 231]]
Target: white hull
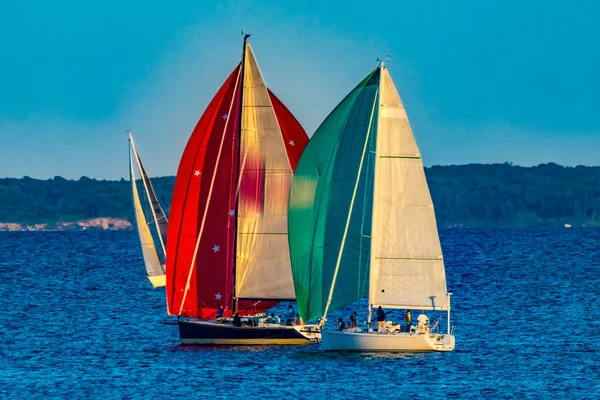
[[372, 341]]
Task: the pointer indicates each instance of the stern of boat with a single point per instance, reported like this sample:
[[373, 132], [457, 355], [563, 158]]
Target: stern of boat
[[392, 342]]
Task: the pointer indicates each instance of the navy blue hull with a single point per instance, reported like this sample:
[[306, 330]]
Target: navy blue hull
[[199, 332]]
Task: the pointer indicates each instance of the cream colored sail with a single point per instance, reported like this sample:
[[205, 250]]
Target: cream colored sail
[[155, 271], [407, 267], [263, 268], [160, 219]]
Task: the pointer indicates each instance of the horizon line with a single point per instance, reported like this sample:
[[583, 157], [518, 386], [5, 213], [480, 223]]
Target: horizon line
[[508, 163]]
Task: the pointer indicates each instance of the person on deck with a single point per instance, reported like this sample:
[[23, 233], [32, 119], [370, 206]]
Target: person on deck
[[408, 322], [422, 322], [289, 320], [341, 325], [237, 320], [380, 320], [220, 312], [352, 320], [274, 319]]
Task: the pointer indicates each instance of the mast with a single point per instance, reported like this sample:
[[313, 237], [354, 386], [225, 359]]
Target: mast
[[449, 294], [381, 66], [239, 154]]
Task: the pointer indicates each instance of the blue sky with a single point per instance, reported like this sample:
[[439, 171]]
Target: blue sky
[[483, 81]]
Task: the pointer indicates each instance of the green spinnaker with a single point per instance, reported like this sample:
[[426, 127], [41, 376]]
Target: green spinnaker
[[324, 183]]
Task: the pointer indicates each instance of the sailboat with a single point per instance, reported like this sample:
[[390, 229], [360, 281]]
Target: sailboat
[[154, 261], [228, 243], [362, 223]]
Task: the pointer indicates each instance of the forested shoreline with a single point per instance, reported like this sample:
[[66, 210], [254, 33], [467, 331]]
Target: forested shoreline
[[472, 195]]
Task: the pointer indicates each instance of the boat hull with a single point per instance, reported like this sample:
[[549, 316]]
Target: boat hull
[[194, 332], [372, 341]]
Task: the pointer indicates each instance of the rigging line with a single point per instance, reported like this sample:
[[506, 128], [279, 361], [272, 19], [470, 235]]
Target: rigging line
[[210, 190], [159, 193], [241, 172], [374, 238], [142, 172], [362, 226], [339, 259], [238, 142]]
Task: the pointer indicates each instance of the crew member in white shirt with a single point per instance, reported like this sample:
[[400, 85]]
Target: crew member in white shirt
[[422, 322]]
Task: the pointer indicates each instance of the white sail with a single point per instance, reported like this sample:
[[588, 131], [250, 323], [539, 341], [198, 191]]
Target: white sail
[[263, 268], [154, 268], [160, 219], [407, 267]]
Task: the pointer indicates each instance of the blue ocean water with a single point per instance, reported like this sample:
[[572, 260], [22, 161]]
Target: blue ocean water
[[79, 319]]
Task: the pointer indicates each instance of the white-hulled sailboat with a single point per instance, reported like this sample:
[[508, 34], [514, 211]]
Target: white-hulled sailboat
[[361, 222], [153, 259]]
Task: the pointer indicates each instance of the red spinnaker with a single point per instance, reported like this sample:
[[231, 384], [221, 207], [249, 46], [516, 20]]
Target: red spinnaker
[[291, 130], [203, 206]]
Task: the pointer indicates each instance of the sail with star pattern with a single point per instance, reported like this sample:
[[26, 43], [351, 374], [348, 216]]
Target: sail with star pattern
[[228, 220]]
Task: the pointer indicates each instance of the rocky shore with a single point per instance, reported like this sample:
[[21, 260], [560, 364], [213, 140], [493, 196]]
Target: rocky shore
[[82, 225]]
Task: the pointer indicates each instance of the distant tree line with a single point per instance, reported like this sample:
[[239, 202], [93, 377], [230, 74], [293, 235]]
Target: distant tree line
[[28, 200], [506, 195], [468, 195]]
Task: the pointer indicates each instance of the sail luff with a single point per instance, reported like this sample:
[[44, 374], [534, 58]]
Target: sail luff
[[154, 268], [158, 214], [407, 268]]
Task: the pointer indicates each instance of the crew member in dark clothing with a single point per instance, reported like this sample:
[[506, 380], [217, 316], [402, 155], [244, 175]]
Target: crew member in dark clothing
[[352, 320], [380, 320], [289, 319], [220, 312], [237, 321], [341, 325]]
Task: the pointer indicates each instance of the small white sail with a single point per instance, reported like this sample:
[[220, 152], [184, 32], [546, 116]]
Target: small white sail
[[407, 267], [154, 268], [158, 214]]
